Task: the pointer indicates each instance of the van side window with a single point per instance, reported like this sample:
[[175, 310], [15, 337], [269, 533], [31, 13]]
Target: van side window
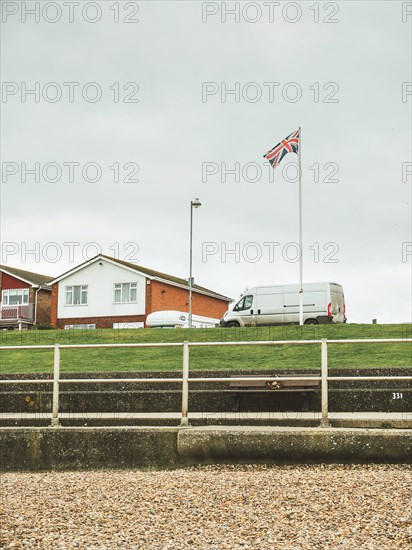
[[248, 302], [245, 303]]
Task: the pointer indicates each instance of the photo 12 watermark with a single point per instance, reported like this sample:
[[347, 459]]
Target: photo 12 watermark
[[269, 252], [406, 171], [269, 92], [69, 92], [70, 12], [72, 252], [406, 8], [254, 172], [270, 12], [406, 252], [69, 172], [406, 91]]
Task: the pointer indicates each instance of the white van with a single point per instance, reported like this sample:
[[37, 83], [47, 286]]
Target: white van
[[178, 319], [279, 305]]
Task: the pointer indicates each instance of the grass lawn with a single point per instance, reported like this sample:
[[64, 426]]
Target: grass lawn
[[213, 358]]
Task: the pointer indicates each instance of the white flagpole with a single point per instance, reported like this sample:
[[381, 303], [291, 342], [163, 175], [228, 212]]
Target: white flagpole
[[300, 232]]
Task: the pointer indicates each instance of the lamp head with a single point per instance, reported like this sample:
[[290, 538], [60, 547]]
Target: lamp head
[[196, 203]]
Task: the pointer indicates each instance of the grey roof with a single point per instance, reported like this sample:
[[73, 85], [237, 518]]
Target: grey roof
[[29, 276]]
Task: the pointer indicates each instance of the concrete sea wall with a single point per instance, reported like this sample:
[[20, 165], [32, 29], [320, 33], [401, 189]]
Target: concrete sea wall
[[145, 448]]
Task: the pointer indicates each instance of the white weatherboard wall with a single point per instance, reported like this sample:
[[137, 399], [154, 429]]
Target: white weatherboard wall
[[100, 297]]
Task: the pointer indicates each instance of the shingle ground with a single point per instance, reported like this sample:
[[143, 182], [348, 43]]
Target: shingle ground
[[210, 507]]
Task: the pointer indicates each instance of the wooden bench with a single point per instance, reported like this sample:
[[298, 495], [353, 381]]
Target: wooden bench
[[304, 387]]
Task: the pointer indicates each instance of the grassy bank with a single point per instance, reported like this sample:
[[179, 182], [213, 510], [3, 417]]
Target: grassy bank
[[259, 357]]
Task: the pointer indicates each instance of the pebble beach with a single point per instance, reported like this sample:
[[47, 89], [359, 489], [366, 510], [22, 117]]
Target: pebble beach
[[210, 507]]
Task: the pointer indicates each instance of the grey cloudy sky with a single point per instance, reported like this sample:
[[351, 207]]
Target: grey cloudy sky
[[344, 79]]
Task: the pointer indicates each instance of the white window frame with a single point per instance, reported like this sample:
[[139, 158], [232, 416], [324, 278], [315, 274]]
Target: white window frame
[[23, 292], [126, 290], [84, 294]]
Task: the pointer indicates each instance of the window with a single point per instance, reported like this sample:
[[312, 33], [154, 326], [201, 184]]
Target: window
[[76, 295], [245, 303], [15, 296], [125, 292]]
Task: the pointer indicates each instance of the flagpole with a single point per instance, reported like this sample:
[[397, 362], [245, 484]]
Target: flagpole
[[300, 232]]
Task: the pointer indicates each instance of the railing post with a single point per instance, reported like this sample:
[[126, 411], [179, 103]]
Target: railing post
[[56, 377], [185, 385], [324, 423]]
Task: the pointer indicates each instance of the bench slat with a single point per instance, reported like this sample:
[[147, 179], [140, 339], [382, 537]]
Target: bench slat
[[281, 390], [284, 384]]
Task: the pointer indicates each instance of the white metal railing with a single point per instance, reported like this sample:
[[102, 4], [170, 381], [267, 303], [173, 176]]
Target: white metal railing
[[16, 312], [324, 378]]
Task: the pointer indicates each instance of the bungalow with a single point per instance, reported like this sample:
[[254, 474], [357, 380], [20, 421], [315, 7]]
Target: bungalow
[[25, 298], [105, 292]]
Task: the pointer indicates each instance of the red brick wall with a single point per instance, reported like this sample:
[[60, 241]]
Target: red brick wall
[[166, 297], [101, 322], [53, 305], [148, 296], [43, 306]]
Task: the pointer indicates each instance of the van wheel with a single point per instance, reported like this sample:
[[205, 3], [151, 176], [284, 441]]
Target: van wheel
[[311, 322], [232, 324]]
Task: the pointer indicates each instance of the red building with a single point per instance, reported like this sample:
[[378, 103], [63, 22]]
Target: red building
[[25, 298]]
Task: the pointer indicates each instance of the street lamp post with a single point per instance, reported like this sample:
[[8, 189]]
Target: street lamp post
[[193, 204]]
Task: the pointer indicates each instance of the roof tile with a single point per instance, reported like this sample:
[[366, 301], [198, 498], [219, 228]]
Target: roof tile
[[33, 278]]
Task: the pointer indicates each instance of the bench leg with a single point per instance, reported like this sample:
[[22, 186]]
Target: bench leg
[[306, 402], [236, 403]]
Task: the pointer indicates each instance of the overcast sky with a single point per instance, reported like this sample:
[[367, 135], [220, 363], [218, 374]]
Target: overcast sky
[[166, 127]]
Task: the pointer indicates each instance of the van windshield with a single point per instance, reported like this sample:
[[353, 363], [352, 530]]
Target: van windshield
[[245, 303]]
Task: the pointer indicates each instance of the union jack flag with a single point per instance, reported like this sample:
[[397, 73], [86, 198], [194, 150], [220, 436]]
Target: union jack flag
[[287, 145]]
